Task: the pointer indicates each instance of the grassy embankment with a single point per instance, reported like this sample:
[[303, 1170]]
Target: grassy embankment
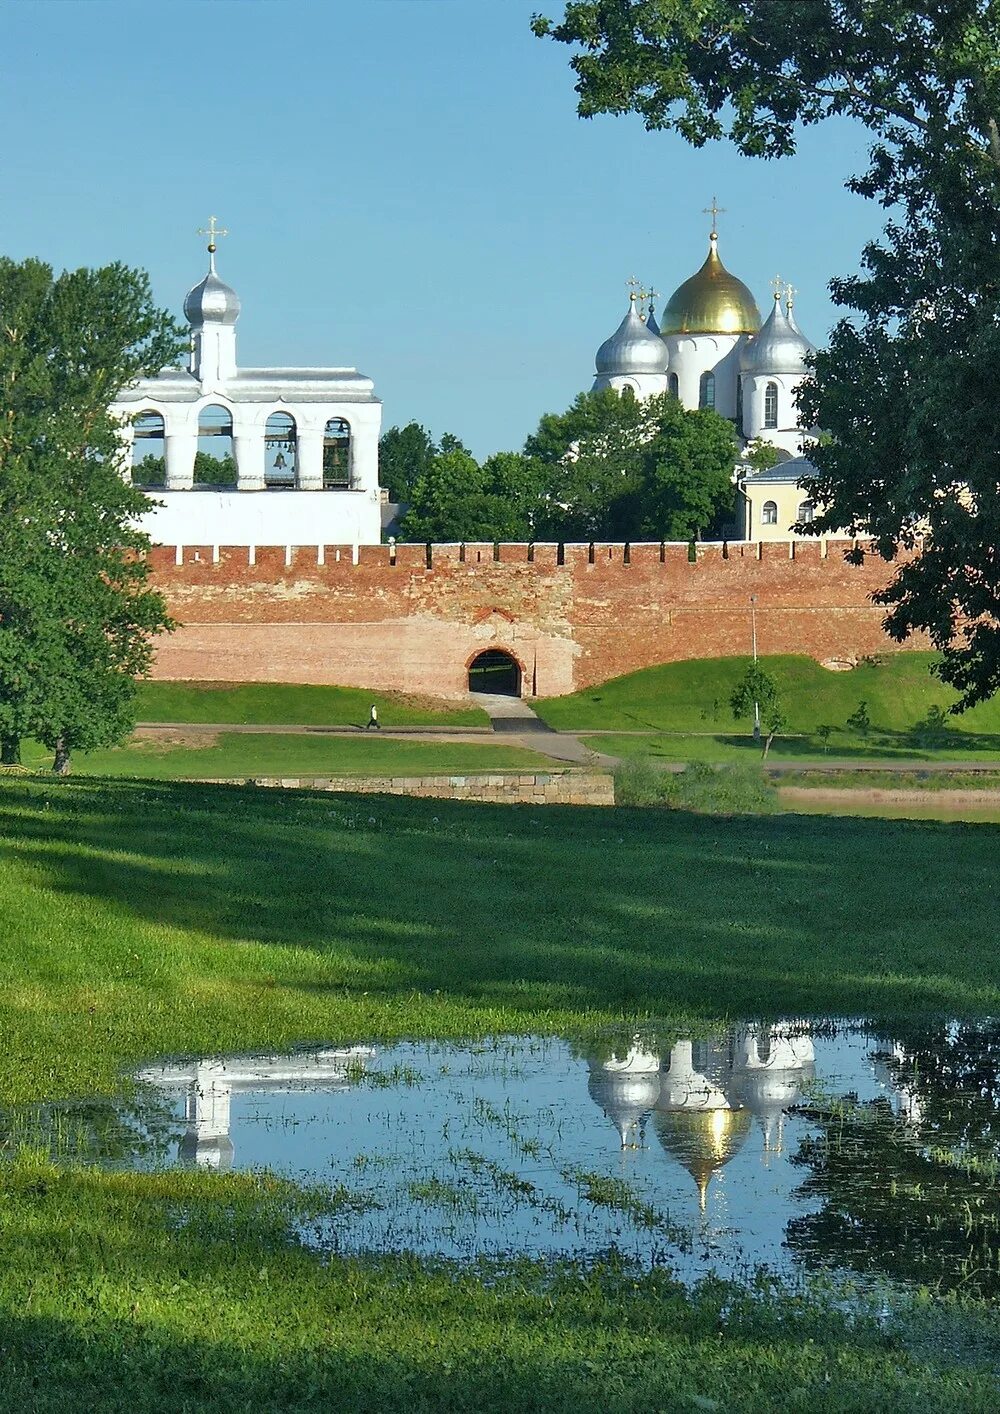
[[683, 711], [234, 756], [142, 918], [294, 704]]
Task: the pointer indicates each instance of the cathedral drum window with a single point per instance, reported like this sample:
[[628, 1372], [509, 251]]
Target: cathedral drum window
[[771, 405], [706, 392]]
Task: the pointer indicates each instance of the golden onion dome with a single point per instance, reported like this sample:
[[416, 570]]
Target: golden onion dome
[[711, 302], [703, 1141]]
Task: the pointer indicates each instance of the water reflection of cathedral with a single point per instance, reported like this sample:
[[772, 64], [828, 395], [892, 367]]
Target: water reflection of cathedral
[[208, 1086], [704, 1097]]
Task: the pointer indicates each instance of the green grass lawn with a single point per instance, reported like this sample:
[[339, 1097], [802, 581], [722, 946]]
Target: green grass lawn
[[809, 750], [139, 918], [235, 755], [292, 704], [694, 697]]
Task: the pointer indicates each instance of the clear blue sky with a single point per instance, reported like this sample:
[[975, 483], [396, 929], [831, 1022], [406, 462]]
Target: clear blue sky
[[407, 184]]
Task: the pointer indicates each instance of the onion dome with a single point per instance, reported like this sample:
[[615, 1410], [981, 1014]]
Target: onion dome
[[651, 323], [211, 302], [703, 1141], [626, 1090], [632, 348], [711, 302], [780, 347]]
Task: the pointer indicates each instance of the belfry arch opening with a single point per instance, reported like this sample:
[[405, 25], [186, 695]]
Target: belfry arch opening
[[495, 671], [280, 448], [149, 466], [215, 463]]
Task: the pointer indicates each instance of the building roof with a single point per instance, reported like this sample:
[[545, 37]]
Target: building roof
[[632, 348], [793, 471]]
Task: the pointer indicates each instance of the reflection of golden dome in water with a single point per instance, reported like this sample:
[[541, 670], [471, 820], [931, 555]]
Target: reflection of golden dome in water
[[711, 302], [702, 1140]]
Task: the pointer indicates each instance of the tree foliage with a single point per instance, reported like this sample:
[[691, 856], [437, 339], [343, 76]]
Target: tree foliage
[[626, 469], [405, 454], [757, 696], [208, 470], [76, 617], [905, 388]]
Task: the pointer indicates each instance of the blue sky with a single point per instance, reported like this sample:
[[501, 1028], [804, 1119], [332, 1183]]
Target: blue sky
[[407, 184]]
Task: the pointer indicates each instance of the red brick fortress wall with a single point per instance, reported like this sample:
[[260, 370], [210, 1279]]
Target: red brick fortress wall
[[412, 621]]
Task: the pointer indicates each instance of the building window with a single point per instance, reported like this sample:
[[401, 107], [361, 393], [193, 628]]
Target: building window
[[706, 392], [806, 513], [673, 385], [769, 513], [771, 405]]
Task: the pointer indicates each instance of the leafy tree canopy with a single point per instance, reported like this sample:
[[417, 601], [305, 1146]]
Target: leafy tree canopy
[[626, 469], [905, 389], [757, 696], [76, 617], [404, 455], [208, 470]]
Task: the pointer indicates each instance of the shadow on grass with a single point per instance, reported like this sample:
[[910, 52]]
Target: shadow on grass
[[534, 912]]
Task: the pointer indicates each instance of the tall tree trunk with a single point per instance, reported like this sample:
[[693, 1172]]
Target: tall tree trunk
[[60, 763], [10, 751]]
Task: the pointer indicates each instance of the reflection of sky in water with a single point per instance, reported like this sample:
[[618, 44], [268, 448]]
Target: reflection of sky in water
[[441, 1138]]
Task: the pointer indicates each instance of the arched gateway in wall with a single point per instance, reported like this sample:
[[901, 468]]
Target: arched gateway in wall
[[495, 671]]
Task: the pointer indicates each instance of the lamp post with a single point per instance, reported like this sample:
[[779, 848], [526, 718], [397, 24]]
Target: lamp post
[[753, 635]]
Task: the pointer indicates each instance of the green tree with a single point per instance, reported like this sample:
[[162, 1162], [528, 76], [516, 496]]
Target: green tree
[[450, 502], [622, 468], [208, 470], [405, 454], [76, 615], [759, 455], [905, 387], [756, 696]]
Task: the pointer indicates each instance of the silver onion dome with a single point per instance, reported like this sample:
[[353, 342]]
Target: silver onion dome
[[632, 348], [780, 347], [211, 301]]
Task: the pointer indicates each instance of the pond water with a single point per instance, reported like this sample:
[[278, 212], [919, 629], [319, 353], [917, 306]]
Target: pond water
[[800, 1146]]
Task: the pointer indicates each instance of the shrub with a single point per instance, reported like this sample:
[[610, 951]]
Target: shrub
[[737, 789]]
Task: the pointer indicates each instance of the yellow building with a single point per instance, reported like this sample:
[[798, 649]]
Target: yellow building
[[775, 500]]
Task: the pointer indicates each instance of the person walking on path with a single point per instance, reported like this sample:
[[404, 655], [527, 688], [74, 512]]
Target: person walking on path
[[373, 719]]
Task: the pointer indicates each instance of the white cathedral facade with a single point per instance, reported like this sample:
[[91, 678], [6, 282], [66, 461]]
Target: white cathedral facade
[[289, 455], [712, 350]]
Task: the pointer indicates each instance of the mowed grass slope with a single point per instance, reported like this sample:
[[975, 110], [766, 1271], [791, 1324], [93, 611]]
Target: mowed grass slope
[[238, 756], [694, 697], [294, 704], [138, 919]]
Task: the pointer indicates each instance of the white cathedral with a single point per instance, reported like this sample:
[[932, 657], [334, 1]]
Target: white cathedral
[[711, 350]]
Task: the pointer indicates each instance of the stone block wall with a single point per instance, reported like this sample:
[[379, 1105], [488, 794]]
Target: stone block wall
[[569, 787], [412, 620]]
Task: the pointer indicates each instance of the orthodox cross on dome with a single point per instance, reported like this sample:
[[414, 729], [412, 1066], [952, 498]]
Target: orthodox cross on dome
[[213, 232], [635, 289], [715, 211], [779, 286], [649, 296], [790, 293]]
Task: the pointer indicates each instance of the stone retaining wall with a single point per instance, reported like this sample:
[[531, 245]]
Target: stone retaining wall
[[570, 787]]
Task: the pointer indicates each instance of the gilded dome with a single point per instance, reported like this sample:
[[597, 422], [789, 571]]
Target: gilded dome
[[632, 348], [711, 302], [703, 1140]]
